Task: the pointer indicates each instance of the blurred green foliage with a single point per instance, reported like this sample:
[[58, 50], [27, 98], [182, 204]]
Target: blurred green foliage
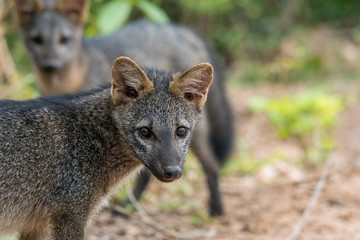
[[107, 16], [257, 26], [307, 118], [9, 237], [244, 163], [248, 33]]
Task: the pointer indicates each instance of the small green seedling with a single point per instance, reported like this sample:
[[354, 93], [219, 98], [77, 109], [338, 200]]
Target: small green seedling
[[307, 118]]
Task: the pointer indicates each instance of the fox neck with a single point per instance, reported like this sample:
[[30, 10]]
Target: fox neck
[[68, 79], [121, 163], [120, 159]]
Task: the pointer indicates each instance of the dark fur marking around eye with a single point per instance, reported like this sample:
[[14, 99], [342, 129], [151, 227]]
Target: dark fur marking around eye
[[131, 92], [189, 96], [37, 40], [64, 40]]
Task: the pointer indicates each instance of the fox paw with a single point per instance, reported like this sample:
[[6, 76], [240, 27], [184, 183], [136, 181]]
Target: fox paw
[[216, 211]]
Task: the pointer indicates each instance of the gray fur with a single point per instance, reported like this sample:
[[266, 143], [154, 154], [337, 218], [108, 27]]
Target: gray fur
[[61, 157]]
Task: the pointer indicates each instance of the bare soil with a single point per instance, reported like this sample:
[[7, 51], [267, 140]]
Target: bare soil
[[262, 206]]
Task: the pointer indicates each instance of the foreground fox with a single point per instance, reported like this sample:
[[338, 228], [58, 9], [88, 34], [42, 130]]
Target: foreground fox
[[60, 157], [65, 63]]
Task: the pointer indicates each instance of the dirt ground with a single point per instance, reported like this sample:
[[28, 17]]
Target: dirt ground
[[263, 206]]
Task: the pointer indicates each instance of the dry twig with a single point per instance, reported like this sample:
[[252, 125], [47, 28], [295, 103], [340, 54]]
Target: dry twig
[[144, 218], [317, 192]]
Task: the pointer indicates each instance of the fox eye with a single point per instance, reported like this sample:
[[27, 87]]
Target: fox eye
[[37, 39], [181, 132], [64, 39], [145, 132]]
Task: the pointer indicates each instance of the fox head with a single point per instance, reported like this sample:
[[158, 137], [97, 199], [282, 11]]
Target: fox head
[[157, 112], [51, 29]]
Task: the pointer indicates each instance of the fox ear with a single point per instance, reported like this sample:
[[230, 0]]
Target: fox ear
[[26, 9], [128, 81], [193, 84], [75, 9]]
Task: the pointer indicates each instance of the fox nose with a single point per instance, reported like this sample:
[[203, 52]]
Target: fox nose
[[172, 172], [50, 65]]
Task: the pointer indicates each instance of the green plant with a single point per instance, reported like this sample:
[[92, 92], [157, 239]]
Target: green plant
[[113, 14], [307, 118], [19, 87], [245, 163], [3, 237], [199, 217]]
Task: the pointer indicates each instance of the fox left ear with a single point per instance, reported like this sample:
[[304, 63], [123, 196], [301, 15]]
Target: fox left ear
[[75, 9], [26, 9], [193, 84], [129, 81]]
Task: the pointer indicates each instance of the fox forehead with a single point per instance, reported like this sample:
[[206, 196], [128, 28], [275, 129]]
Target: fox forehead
[[50, 4], [164, 108], [50, 19], [163, 104], [160, 79]]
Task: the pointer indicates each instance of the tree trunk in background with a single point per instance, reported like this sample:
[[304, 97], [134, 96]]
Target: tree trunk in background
[[7, 66], [291, 11]]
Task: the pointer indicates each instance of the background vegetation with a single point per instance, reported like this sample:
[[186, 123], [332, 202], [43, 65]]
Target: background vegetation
[[270, 40]]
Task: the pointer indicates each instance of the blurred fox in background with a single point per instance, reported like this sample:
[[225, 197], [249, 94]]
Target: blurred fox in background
[[65, 62]]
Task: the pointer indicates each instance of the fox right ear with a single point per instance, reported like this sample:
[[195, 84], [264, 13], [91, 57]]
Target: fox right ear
[[128, 81], [193, 84], [26, 9], [75, 9]]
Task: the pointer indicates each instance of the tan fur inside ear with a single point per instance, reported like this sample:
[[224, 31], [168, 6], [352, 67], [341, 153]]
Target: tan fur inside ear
[[25, 9], [77, 10], [193, 84], [129, 81]]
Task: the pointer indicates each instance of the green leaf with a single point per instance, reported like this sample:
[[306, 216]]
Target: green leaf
[[258, 104], [153, 12], [113, 15]]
